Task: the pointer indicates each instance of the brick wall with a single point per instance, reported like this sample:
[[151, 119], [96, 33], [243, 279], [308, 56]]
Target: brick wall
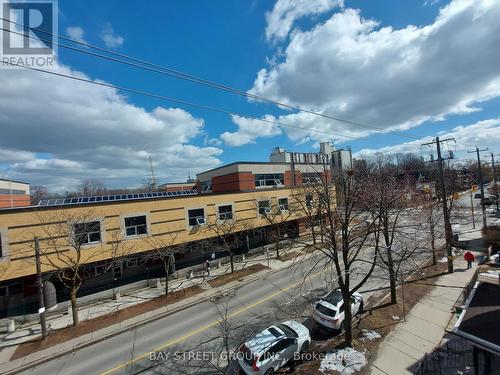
[[17, 200]]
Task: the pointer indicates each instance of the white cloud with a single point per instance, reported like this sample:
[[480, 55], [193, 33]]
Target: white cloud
[[76, 33], [110, 39], [351, 68], [484, 133], [249, 129], [76, 130], [282, 17]]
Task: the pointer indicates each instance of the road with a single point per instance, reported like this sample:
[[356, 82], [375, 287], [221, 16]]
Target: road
[[253, 306]]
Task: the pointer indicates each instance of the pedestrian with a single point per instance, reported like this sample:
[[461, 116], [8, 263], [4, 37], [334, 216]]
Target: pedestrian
[[207, 267], [469, 257]]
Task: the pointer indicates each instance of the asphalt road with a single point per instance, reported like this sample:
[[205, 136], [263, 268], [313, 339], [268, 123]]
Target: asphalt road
[[282, 295]]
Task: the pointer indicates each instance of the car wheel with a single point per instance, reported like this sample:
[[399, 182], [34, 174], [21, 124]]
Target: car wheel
[[304, 347], [361, 307], [269, 372]]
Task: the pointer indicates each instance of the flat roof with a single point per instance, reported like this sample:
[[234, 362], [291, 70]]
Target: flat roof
[[17, 182], [245, 162], [480, 319]]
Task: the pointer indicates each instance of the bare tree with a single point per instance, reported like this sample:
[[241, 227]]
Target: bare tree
[[387, 198], [68, 246], [351, 237], [276, 214], [38, 192], [164, 249], [228, 233], [92, 187]]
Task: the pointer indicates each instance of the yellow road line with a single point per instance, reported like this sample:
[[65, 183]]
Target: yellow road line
[[208, 326]]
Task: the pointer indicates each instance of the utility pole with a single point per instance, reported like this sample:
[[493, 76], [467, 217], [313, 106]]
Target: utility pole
[[477, 150], [494, 178], [39, 281], [152, 172], [446, 216]]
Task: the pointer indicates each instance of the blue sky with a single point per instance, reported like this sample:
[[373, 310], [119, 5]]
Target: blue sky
[[387, 64]]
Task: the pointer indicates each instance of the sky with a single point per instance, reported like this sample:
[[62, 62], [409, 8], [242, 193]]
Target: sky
[[399, 72]]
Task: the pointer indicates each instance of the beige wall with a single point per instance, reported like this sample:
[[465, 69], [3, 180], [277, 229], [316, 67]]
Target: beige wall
[[167, 222]]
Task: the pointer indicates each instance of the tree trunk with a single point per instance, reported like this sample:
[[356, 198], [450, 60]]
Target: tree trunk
[[313, 232], [392, 276], [231, 258], [74, 306], [166, 266], [347, 323]]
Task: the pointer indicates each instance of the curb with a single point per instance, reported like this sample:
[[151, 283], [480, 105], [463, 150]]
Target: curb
[[77, 347]]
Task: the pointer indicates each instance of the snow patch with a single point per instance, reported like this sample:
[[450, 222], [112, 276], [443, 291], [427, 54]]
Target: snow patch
[[370, 335], [443, 260], [395, 317], [345, 361]]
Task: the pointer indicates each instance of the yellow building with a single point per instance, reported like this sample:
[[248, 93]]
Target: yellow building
[[126, 230]]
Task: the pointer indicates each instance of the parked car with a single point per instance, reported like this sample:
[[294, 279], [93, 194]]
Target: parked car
[[329, 310], [272, 348]]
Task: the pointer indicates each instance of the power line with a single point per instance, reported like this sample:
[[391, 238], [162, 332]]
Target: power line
[[174, 100], [143, 64]]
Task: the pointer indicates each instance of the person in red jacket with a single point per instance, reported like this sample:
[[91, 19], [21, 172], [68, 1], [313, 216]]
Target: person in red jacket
[[469, 257]]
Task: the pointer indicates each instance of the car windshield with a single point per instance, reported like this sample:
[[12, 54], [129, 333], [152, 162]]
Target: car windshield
[[325, 310], [288, 331], [333, 297]]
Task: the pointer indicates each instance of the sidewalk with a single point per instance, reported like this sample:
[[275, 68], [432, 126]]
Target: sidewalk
[[31, 331], [425, 325]]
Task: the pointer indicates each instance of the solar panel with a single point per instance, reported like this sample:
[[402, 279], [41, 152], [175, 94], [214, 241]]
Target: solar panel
[[121, 197]]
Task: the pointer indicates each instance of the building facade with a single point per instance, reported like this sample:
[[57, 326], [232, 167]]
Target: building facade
[[14, 194]]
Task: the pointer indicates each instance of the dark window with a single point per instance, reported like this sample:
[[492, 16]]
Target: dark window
[[264, 207], [289, 332], [283, 204], [87, 233], [196, 217], [325, 310], [279, 346], [226, 212], [309, 200], [136, 225], [274, 332], [16, 288]]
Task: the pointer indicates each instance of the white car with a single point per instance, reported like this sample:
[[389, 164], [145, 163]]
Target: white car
[[272, 348], [329, 310]]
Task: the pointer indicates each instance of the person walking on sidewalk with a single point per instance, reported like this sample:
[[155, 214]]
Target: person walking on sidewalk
[[469, 258], [207, 267]]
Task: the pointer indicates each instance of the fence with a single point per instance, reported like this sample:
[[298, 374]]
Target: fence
[[454, 357]]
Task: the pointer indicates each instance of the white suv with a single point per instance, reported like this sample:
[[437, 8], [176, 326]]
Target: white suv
[[272, 348], [329, 310]]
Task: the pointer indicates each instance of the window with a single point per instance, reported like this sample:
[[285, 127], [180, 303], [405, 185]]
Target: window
[[225, 212], [196, 217], [309, 200], [264, 207], [136, 225], [311, 178], [87, 233], [283, 204], [269, 180]]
